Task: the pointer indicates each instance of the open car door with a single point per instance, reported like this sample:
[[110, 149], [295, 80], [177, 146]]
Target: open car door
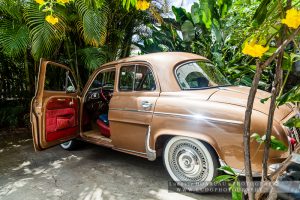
[[55, 107]]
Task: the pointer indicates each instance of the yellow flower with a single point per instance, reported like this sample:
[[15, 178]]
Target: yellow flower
[[63, 1], [40, 1], [254, 50], [292, 18], [52, 20], [142, 5]]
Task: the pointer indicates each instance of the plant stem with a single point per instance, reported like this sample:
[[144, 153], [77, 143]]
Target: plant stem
[[274, 92], [247, 125]]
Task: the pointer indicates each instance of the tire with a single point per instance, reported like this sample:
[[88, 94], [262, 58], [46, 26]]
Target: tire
[[70, 145], [192, 164]]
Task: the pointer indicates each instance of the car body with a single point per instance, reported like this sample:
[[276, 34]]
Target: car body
[[155, 102]]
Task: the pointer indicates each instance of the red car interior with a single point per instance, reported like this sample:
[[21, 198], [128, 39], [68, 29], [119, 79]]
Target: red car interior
[[103, 128], [61, 118]]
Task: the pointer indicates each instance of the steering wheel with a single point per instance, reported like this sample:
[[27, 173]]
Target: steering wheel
[[102, 96]]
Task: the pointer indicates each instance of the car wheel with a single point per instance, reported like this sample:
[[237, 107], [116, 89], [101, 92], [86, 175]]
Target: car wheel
[[70, 145], [192, 164]]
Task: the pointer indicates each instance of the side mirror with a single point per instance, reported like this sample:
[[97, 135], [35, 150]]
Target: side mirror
[[70, 89]]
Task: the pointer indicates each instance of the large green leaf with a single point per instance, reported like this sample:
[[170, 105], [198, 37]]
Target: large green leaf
[[45, 38], [180, 14], [188, 31], [195, 13], [14, 38], [93, 24], [92, 57], [261, 12]]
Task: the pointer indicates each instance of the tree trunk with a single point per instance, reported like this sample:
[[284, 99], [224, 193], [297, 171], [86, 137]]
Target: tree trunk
[[247, 126], [274, 93]]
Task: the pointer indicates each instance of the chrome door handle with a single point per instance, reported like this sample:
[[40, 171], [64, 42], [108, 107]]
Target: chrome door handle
[[146, 104]]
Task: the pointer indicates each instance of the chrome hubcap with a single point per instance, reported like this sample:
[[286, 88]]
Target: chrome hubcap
[[187, 161]]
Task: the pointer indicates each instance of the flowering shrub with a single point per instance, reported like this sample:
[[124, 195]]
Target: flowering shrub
[[47, 6], [52, 20], [292, 19], [254, 50], [142, 5]]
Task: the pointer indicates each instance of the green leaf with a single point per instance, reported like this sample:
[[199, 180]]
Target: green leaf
[[277, 144], [236, 191], [180, 14], [291, 96], [293, 122], [195, 12], [261, 12], [45, 38], [264, 100], [93, 23], [227, 169], [257, 137], [222, 178], [188, 31]]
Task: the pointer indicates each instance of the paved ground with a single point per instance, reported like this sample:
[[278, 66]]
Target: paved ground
[[90, 173]]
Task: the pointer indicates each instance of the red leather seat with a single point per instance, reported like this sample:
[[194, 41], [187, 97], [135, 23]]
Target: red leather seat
[[104, 129]]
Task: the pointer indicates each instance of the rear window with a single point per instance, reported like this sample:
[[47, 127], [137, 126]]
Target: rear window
[[198, 75]]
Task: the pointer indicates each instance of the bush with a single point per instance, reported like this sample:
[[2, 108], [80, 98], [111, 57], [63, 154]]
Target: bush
[[14, 113]]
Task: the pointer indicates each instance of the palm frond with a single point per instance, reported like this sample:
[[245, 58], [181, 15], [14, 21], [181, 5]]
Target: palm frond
[[92, 57], [45, 38], [14, 38], [93, 23], [11, 9]]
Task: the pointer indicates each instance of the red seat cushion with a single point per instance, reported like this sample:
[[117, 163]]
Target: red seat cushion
[[104, 129]]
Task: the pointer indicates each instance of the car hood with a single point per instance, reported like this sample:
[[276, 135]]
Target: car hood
[[238, 95]]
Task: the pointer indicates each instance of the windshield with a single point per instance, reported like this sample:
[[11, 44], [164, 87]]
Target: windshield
[[199, 74]]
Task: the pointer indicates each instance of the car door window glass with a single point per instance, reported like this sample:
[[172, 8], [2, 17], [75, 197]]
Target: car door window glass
[[59, 79], [127, 78], [144, 80], [105, 79]]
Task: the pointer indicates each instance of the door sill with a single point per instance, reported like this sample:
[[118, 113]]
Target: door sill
[[96, 138]]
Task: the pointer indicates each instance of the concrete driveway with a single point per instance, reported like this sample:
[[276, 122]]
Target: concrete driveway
[[90, 173]]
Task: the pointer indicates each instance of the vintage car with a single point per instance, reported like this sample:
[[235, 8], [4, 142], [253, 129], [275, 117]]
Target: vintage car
[[175, 105]]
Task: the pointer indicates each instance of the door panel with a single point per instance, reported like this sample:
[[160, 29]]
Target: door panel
[[60, 119], [55, 106], [131, 107], [129, 120]]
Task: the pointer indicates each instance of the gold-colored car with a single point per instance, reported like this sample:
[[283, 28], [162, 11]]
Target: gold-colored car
[[174, 105]]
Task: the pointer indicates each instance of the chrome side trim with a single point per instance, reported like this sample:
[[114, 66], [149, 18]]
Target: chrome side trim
[[151, 154], [130, 151], [198, 117], [130, 110], [238, 171]]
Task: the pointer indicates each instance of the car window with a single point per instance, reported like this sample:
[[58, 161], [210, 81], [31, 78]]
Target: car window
[[126, 78], [59, 79], [144, 80], [105, 79], [136, 77], [200, 74]]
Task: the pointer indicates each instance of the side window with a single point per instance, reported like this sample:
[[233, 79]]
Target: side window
[[144, 80], [136, 77], [59, 79], [104, 79], [126, 78]]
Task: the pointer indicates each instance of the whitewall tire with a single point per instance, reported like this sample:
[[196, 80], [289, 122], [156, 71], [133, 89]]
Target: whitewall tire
[[70, 145], [192, 164]]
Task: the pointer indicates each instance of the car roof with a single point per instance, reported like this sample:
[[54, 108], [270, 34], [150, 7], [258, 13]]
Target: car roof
[[160, 58], [163, 64]]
